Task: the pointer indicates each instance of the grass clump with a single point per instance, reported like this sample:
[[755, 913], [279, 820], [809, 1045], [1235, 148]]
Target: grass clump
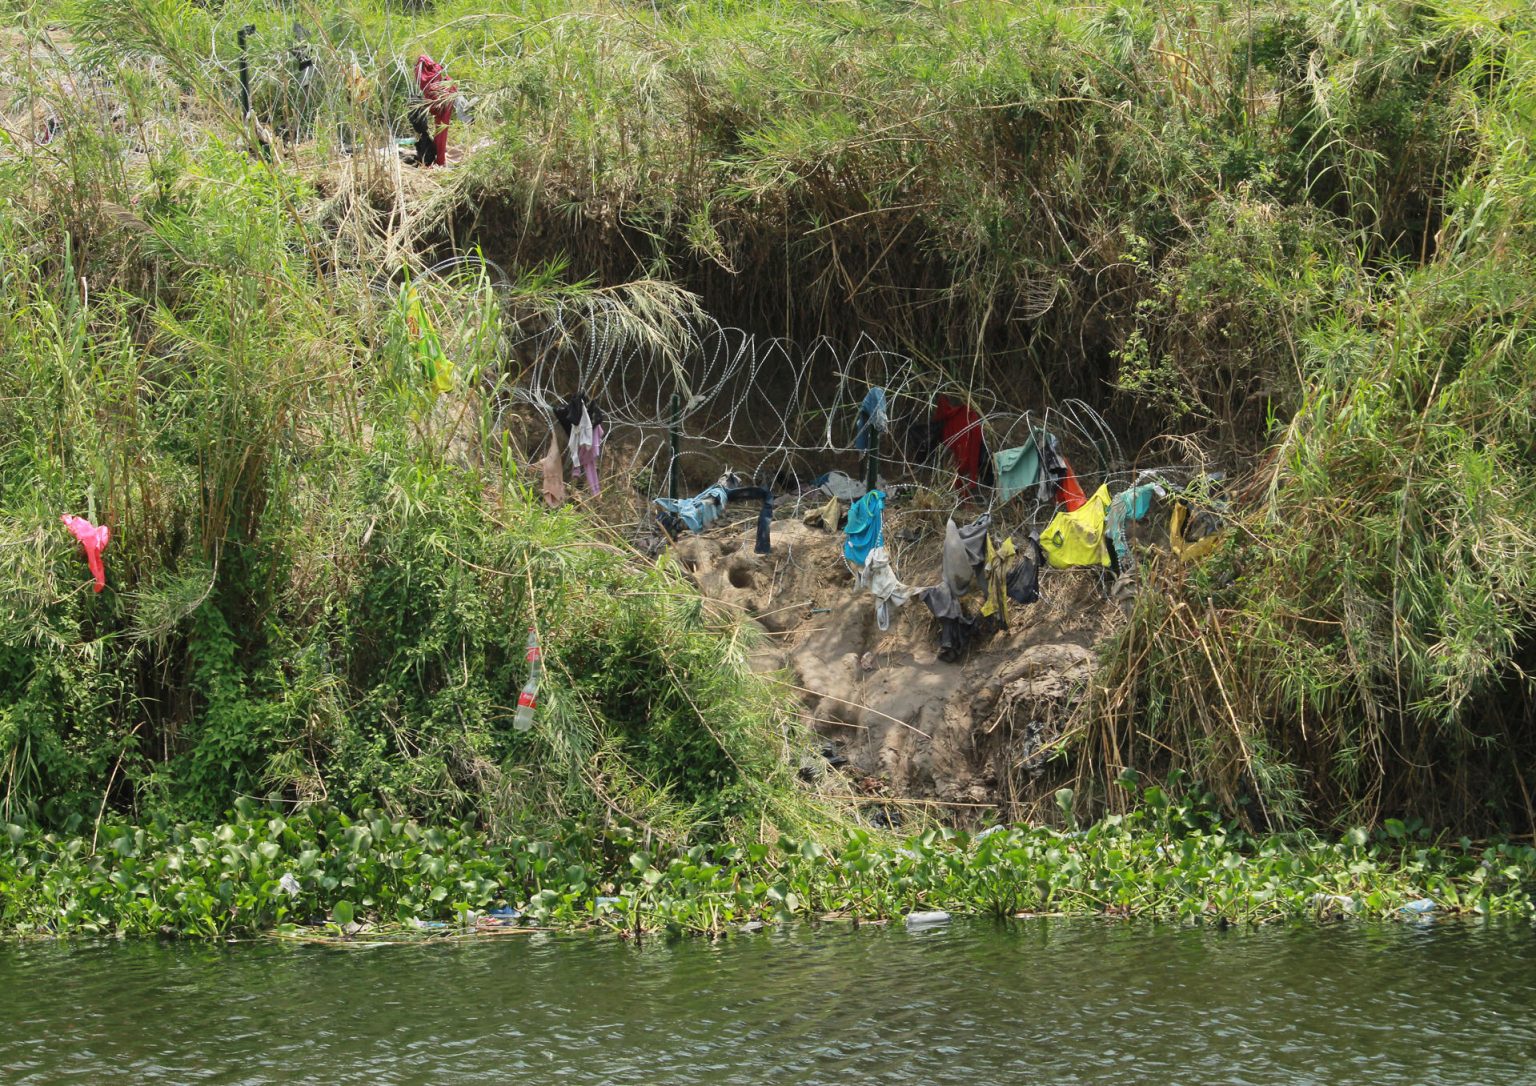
[[1362, 648]]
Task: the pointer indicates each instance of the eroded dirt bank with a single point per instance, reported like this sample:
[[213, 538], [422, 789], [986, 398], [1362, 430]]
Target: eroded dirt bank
[[909, 724]]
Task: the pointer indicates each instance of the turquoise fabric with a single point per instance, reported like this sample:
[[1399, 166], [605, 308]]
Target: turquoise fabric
[[1128, 505], [1017, 470], [865, 528]]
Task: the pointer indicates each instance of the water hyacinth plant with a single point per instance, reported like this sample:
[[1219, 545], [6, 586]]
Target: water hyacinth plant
[[324, 873]]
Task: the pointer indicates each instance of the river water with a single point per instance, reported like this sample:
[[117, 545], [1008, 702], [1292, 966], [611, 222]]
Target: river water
[[972, 1003]]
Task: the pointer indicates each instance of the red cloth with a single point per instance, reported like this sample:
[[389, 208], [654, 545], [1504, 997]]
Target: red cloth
[[1068, 492], [439, 92], [962, 436]]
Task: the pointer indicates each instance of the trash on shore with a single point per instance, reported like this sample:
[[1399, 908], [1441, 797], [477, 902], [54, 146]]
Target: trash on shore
[[1330, 904]]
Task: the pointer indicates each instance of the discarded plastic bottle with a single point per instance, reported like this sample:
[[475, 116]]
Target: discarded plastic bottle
[[528, 700]]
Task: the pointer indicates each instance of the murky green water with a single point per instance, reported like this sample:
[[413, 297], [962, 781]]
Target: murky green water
[[976, 1003]]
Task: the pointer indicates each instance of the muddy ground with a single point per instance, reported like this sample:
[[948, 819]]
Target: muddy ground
[[910, 725]]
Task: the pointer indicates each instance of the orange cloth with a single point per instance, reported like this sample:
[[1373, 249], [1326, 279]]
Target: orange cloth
[[1068, 492]]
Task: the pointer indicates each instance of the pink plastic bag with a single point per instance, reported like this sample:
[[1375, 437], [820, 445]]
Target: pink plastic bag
[[94, 539]]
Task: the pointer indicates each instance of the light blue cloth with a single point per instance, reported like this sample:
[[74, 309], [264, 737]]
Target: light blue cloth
[[865, 528], [872, 416], [699, 512], [1128, 505]]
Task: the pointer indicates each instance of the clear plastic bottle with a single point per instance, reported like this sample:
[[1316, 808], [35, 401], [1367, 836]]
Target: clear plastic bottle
[[528, 700]]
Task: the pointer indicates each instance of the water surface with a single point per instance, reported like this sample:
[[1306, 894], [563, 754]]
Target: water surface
[[973, 1003]]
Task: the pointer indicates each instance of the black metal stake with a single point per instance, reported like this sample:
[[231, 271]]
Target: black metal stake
[[677, 442], [872, 460], [245, 70]]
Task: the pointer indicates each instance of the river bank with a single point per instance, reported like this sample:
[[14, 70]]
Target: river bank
[[313, 397], [323, 873]]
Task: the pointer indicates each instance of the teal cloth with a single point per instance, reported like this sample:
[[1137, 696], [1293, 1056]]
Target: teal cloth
[[1128, 505], [1017, 469], [865, 528]]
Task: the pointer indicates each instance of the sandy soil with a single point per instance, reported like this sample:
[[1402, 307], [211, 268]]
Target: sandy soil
[[909, 724]]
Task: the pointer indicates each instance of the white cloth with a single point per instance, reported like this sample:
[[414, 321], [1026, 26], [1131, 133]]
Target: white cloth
[[883, 585], [581, 435]]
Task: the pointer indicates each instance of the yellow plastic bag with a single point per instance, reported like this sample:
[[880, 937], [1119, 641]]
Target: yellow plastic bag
[[436, 367], [1077, 538], [1189, 550], [831, 513]]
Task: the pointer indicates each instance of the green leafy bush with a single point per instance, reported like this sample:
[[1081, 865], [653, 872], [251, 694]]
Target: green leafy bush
[[321, 871]]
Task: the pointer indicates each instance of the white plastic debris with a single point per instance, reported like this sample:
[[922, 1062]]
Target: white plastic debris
[[1327, 903]]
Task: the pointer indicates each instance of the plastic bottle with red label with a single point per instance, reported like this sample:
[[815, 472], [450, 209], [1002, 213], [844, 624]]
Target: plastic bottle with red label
[[528, 700]]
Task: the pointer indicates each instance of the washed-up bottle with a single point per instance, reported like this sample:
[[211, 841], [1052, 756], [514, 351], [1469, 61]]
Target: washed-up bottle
[[528, 700]]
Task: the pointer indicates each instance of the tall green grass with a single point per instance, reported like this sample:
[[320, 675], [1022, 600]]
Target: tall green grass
[[1042, 199], [1299, 233], [321, 572], [1363, 647]]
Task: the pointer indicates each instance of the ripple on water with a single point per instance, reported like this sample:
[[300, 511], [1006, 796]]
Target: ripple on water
[[972, 1003]]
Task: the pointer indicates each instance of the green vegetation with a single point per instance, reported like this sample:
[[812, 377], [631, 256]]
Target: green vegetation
[[1169, 860], [1301, 236], [321, 574]]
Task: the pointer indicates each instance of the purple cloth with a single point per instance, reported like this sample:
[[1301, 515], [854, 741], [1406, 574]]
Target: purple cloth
[[589, 455]]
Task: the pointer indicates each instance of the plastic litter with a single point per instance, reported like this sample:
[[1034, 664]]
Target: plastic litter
[[839, 485], [493, 919], [926, 920], [528, 700], [436, 369], [94, 540], [1420, 907], [289, 885], [1327, 903]]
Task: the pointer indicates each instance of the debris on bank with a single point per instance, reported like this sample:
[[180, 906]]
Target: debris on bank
[[961, 700]]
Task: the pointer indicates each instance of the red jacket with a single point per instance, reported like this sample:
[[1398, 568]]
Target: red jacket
[[962, 436], [439, 92]]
